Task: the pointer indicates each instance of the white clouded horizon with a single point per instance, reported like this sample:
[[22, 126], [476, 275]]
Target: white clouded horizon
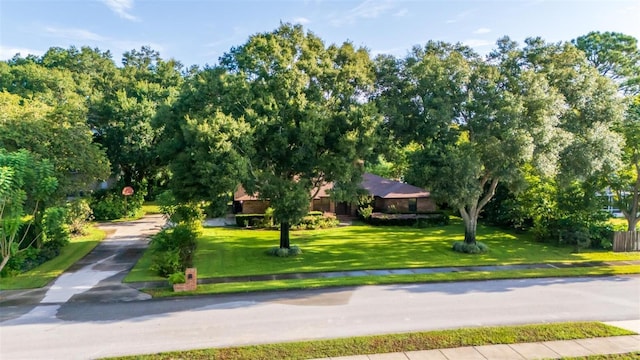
[[82, 37], [7, 52], [476, 43], [73, 33], [301, 20], [482, 31], [368, 9], [459, 17], [122, 8]]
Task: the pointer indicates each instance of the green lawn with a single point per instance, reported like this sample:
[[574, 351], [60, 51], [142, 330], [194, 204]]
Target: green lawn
[[297, 284], [389, 343], [235, 251], [40, 276]]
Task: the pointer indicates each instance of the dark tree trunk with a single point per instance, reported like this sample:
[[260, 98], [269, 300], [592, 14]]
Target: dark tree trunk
[[284, 236], [470, 230]]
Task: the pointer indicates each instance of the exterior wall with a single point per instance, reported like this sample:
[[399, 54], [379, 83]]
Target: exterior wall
[[323, 204], [254, 206], [402, 205]]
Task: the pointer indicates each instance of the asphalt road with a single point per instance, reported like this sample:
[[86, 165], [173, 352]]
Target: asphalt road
[[80, 330]]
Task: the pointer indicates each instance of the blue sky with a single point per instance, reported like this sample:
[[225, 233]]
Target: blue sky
[[199, 31]]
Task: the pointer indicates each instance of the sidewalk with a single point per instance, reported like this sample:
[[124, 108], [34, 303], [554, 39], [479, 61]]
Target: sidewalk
[[537, 350], [383, 272]]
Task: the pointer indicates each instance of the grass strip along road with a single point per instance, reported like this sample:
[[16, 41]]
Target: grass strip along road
[[76, 249], [401, 342], [229, 251]]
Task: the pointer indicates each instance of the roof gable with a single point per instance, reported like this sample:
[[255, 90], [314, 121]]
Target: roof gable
[[374, 184]]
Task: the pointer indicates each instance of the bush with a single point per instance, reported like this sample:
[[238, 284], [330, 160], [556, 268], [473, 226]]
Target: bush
[[244, 220], [283, 252], [570, 232], [111, 204], [56, 231], [177, 278], [167, 262], [475, 248], [419, 220], [78, 215], [365, 212], [313, 222], [172, 249]]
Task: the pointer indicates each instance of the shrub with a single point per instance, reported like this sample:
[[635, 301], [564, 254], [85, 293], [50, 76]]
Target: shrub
[[365, 212], [313, 222], [167, 262], [418, 220], [111, 204], [177, 278], [283, 252], [568, 231], [78, 215], [244, 220], [475, 248], [56, 231], [172, 249]]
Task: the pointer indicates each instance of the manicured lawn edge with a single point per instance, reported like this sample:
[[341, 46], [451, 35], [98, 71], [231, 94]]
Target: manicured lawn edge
[[381, 344], [40, 276], [625, 356], [298, 284]]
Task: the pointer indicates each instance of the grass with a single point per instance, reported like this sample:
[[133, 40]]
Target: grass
[[627, 356], [236, 252], [151, 208], [40, 276], [298, 284], [381, 344]]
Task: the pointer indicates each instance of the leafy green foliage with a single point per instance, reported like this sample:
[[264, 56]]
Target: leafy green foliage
[[282, 114], [475, 248], [110, 204], [173, 249], [25, 183], [177, 278], [283, 252], [79, 214]]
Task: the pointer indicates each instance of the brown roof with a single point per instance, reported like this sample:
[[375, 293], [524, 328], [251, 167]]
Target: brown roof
[[390, 189], [374, 184]]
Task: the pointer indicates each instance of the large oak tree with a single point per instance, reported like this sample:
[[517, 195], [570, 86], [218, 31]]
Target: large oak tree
[[292, 112]]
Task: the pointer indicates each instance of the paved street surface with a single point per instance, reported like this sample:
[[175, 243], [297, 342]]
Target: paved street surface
[[88, 313], [91, 330]]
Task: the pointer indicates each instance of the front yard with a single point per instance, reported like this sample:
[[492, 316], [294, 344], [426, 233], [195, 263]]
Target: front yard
[[236, 252]]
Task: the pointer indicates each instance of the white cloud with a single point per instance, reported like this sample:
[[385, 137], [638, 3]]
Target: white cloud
[[84, 37], [459, 17], [369, 9], [482, 31], [122, 8], [301, 20], [475, 43], [71, 33], [7, 53], [401, 13]]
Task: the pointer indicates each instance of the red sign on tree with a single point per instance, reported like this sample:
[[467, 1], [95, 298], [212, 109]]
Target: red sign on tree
[[127, 191]]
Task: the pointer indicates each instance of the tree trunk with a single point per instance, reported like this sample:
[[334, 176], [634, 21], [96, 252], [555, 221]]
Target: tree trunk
[[470, 225], [631, 223], [284, 236]]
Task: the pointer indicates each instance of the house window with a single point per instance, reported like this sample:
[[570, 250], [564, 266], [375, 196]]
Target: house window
[[325, 204], [413, 205]]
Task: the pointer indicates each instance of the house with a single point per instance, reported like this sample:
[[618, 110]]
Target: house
[[388, 196]]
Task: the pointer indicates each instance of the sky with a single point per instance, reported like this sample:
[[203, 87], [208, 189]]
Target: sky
[[198, 32]]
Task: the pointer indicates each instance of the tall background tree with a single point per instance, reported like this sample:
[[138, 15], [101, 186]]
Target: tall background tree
[[122, 117], [617, 56], [290, 110], [474, 123]]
